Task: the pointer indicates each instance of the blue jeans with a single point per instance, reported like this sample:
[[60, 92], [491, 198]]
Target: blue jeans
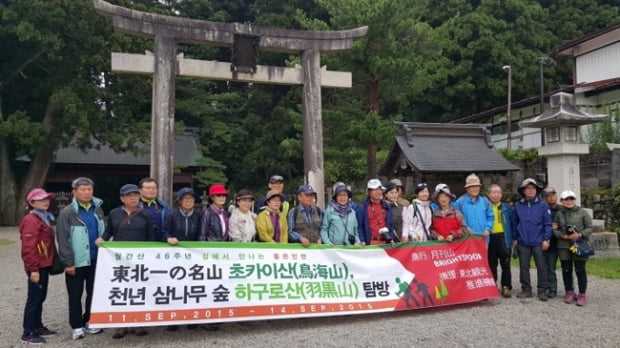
[[525, 255], [37, 293]]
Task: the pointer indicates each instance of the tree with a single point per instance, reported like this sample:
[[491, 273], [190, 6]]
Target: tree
[[54, 66], [397, 61]]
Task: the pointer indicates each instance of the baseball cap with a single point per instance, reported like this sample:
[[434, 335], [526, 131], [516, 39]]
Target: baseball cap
[[567, 194], [306, 189], [128, 188], [397, 182], [374, 184], [276, 178], [547, 191], [39, 194]]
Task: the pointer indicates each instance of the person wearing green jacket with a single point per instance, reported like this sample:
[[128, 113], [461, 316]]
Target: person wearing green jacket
[[79, 225], [573, 222], [339, 226]]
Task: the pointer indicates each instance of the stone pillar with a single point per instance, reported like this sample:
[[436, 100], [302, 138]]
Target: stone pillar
[[313, 123], [162, 117], [563, 171]]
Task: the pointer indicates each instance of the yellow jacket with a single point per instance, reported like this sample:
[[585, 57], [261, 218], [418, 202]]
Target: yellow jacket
[[266, 232]]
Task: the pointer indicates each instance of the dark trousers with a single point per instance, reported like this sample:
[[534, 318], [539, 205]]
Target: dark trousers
[[525, 255], [37, 293], [499, 254], [83, 279], [551, 258], [580, 271]]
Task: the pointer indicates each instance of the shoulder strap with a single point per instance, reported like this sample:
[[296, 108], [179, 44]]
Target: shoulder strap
[[417, 212]]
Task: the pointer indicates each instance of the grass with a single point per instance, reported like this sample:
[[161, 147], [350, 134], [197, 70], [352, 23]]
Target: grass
[[603, 268], [6, 242]]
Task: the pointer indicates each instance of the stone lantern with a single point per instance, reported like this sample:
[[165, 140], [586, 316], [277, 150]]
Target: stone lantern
[[561, 124]]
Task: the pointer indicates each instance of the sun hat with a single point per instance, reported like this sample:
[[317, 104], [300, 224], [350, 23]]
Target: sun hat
[[217, 189], [529, 181], [472, 180], [273, 193], [186, 191]]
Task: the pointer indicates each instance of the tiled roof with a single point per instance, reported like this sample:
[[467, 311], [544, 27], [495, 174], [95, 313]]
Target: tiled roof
[[186, 152], [440, 147]]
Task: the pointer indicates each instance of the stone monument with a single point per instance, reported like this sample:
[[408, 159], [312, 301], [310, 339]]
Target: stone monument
[[561, 126]]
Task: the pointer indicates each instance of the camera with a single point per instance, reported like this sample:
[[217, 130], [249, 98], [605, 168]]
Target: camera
[[385, 233], [570, 229]]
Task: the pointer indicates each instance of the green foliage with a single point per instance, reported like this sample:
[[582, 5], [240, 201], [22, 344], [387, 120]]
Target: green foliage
[[599, 134], [519, 153], [605, 268]]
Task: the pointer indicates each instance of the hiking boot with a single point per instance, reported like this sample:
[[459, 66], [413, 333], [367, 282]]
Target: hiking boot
[[32, 338], [45, 332], [525, 294], [552, 294], [569, 297], [506, 292], [542, 295], [91, 330], [581, 300], [78, 333]]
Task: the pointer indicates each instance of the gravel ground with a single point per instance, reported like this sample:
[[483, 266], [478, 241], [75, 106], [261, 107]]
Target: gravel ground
[[494, 323]]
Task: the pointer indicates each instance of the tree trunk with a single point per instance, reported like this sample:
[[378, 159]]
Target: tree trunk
[[373, 89], [8, 189], [11, 192], [37, 172]]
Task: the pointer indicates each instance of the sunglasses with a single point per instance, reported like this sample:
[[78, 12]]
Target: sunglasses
[[569, 198], [219, 195]]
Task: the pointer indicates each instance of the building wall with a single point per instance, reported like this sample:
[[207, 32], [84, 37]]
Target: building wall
[[598, 65]]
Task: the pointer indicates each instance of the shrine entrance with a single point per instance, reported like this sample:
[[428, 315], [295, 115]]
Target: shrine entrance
[[245, 40]]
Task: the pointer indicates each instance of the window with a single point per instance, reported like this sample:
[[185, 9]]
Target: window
[[553, 134], [570, 133]]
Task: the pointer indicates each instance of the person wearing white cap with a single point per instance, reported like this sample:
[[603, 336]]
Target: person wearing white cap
[[374, 219], [531, 234], [573, 222]]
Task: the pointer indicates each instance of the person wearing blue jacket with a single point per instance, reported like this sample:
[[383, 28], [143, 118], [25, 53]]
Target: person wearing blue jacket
[[374, 219], [531, 234], [158, 209], [476, 208], [500, 240], [185, 222]]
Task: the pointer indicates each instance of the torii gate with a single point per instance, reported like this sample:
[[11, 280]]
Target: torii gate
[[165, 65]]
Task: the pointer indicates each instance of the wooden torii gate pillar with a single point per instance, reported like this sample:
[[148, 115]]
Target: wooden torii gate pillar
[[165, 65]]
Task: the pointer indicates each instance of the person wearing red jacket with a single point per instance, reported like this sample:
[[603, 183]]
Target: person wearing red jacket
[[38, 252], [448, 222]]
